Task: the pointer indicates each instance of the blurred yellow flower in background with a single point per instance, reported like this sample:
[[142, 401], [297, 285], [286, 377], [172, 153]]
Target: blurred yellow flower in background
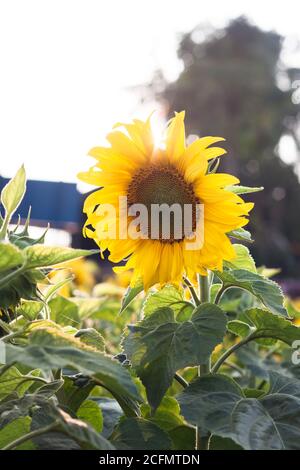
[[84, 275]]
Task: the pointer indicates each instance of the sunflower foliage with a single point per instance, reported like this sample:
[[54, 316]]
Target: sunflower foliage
[[114, 369]]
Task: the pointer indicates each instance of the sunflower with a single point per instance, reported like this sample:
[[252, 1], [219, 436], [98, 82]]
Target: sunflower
[[133, 167]]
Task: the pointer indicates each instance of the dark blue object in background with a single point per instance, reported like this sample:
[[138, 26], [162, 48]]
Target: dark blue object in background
[[60, 204]]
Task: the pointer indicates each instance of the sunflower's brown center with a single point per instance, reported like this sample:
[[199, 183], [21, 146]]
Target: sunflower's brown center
[[163, 184]]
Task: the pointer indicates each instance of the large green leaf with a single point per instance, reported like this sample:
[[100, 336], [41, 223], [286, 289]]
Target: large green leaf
[[65, 426], [10, 256], [167, 415], [131, 294], [158, 346], [46, 351], [13, 380], [22, 286], [91, 337], [74, 392], [216, 404], [264, 326], [267, 291], [90, 413], [12, 194], [39, 256], [83, 434], [183, 437], [209, 401], [223, 443], [64, 311], [30, 309], [171, 297], [140, 434], [284, 384], [88, 306], [271, 423], [15, 429], [243, 259]]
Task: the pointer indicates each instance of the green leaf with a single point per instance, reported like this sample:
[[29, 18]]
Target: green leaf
[[271, 423], [45, 351], [243, 259], [263, 325], [22, 286], [15, 429], [223, 443], [10, 256], [216, 404], [140, 434], [243, 189], [12, 380], [241, 234], [183, 437], [283, 384], [158, 346], [171, 297], [265, 290], [209, 401], [90, 413], [88, 307], [30, 309], [77, 430], [50, 292], [130, 295], [71, 395], [91, 337], [167, 415], [12, 194], [40, 256], [253, 392], [51, 388], [13, 408], [64, 311]]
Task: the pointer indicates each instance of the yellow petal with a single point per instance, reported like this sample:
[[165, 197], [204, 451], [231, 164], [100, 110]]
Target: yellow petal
[[175, 138], [125, 146]]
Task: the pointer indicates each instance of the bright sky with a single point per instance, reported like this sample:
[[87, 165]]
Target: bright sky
[[66, 66]]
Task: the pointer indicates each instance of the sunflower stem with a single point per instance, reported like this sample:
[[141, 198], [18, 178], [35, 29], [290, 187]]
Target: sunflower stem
[[192, 291], [203, 288], [204, 297], [204, 369]]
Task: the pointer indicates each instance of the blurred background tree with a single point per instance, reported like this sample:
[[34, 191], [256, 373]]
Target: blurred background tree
[[233, 84]]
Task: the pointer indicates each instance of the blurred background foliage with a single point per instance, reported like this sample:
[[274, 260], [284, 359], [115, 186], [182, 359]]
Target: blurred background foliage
[[234, 84]]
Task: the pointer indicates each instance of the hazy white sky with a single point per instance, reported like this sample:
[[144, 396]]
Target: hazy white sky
[[65, 66]]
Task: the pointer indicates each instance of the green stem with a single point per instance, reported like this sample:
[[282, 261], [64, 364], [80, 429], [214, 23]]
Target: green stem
[[11, 275], [204, 369], [31, 435], [181, 380], [192, 291], [229, 351], [15, 334], [202, 442], [219, 294], [204, 288], [4, 226]]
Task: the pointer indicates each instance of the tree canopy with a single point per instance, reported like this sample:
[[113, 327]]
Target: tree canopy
[[231, 85]]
